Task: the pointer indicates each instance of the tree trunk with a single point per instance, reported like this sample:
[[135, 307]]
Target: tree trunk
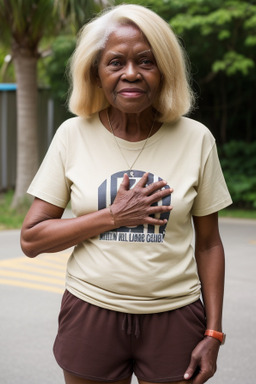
[[27, 148]]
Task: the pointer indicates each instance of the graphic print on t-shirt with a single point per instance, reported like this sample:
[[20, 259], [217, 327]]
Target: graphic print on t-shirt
[[146, 233]]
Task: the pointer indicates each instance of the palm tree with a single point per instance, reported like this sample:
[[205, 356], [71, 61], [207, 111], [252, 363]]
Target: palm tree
[[24, 23], [81, 11]]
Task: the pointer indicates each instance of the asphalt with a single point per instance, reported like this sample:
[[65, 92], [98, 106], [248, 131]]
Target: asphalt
[[30, 295]]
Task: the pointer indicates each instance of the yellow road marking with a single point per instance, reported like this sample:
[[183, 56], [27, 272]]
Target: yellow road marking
[[27, 276], [45, 272], [53, 265], [30, 268]]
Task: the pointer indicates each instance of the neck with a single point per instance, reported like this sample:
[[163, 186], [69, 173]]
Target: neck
[[131, 127]]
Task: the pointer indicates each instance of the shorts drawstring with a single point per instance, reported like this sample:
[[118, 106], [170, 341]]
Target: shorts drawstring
[[130, 322]]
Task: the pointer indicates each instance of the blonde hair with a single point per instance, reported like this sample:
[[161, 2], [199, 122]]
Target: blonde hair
[[176, 97]]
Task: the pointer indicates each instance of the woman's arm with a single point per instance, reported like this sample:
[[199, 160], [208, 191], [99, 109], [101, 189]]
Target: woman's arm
[[210, 260], [43, 229], [209, 255]]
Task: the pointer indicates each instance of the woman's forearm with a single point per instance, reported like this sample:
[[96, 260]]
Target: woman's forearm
[[56, 234], [210, 260], [211, 269]]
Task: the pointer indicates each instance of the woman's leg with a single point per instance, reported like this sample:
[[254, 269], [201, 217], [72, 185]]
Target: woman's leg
[[72, 379]]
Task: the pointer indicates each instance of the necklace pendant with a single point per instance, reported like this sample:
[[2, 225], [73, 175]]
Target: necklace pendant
[[131, 173]]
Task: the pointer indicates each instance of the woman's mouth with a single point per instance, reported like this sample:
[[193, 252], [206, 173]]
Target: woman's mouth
[[131, 92]]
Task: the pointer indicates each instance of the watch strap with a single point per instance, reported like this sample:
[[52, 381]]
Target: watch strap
[[216, 335]]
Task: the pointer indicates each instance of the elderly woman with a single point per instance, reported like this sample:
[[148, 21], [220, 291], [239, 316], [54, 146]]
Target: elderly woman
[[134, 279]]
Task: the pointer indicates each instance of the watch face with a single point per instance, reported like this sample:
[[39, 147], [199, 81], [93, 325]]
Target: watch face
[[223, 338]]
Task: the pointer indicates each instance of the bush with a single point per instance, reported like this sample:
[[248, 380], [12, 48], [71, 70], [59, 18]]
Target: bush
[[238, 160], [62, 49]]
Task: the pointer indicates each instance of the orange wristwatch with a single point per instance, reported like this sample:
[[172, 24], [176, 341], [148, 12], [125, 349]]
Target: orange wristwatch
[[216, 335]]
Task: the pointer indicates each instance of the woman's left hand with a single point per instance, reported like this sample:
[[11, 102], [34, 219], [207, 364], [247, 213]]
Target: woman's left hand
[[203, 363]]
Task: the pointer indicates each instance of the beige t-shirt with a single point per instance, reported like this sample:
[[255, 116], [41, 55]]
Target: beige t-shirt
[[148, 268]]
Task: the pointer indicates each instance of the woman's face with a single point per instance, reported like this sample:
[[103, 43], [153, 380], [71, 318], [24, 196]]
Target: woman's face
[[127, 71]]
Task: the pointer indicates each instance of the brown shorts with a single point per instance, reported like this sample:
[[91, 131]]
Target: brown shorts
[[104, 345]]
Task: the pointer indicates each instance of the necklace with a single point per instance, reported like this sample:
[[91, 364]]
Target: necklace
[[120, 149]]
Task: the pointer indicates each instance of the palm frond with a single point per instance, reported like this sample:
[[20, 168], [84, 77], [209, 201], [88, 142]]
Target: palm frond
[[28, 20]]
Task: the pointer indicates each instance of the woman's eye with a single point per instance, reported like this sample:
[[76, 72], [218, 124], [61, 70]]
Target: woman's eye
[[146, 62], [115, 63]]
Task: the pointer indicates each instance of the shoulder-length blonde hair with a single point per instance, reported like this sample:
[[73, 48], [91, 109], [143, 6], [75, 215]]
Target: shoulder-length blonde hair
[[176, 97]]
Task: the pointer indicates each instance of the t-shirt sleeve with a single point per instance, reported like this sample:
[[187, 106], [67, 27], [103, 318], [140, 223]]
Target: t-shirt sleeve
[[212, 193], [50, 183]]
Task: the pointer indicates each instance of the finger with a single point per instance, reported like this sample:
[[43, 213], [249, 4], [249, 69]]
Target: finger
[[153, 187], [154, 217], [125, 183], [143, 181], [191, 369], [152, 221], [157, 186], [159, 195], [158, 209]]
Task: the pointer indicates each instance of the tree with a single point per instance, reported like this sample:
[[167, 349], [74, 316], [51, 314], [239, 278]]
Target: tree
[[24, 23], [220, 38], [81, 11]]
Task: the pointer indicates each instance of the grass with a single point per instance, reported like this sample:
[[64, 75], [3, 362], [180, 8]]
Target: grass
[[238, 213], [10, 218], [13, 219]]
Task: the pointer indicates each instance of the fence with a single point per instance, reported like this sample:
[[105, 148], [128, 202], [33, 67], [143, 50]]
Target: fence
[[50, 116]]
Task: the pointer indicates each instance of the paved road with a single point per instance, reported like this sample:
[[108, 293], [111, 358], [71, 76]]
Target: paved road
[[30, 295]]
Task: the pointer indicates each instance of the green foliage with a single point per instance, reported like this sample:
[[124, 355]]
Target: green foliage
[[6, 68], [219, 36], [233, 62], [238, 213], [161, 7], [80, 12], [12, 218], [62, 48], [229, 26], [31, 25], [238, 160], [25, 21]]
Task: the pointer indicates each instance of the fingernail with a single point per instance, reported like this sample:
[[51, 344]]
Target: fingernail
[[186, 376]]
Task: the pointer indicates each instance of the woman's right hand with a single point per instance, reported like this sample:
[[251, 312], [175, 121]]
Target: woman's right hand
[[133, 207]]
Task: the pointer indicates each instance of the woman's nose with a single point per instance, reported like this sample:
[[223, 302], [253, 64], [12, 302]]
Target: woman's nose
[[131, 72]]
